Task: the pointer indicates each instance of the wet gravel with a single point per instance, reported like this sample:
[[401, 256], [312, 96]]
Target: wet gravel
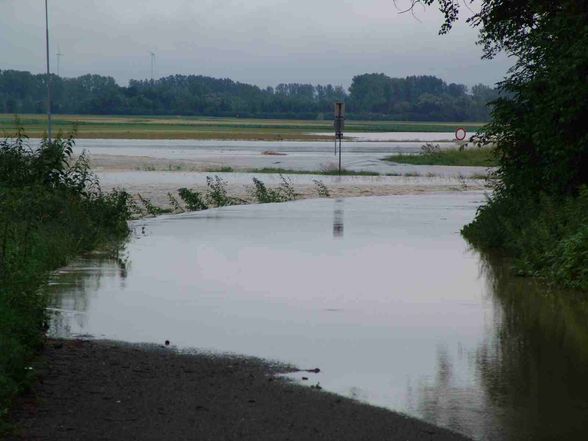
[[101, 390]]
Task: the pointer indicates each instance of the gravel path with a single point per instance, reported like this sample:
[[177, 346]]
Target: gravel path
[[100, 390]]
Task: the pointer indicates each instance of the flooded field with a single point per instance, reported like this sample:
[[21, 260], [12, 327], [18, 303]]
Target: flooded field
[[155, 185], [382, 294], [440, 137], [190, 155]]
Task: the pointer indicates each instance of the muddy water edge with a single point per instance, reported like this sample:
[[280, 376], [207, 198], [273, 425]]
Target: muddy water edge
[[382, 293]]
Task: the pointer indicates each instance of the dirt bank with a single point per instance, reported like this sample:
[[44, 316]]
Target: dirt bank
[[92, 390]]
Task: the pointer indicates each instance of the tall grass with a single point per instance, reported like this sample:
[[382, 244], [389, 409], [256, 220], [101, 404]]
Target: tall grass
[[51, 209]]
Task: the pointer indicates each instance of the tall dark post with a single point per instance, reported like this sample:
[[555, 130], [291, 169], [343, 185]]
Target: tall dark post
[[48, 73], [339, 125]]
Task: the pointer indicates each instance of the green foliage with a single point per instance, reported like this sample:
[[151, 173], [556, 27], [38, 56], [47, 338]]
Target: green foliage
[[221, 169], [192, 199], [545, 236], [283, 193], [287, 189], [417, 98], [477, 156], [216, 194], [541, 130], [264, 195], [371, 96], [51, 209], [539, 125], [321, 189]]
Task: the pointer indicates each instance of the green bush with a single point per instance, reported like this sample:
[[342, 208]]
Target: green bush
[[51, 209], [283, 193], [321, 189], [216, 195], [546, 236], [193, 199]]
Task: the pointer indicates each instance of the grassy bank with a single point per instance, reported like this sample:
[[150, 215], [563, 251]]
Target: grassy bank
[[481, 157], [545, 236], [51, 209], [149, 127]]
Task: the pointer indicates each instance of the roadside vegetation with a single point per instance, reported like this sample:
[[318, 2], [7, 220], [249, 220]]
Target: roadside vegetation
[[51, 209], [432, 154], [538, 212], [545, 236], [217, 195], [283, 193]]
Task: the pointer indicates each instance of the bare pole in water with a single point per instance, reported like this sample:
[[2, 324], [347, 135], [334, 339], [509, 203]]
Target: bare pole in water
[[48, 73], [339, 125], [340, 155]]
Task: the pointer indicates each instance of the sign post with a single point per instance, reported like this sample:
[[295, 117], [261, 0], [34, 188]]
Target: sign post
[[339, 126], [48, 73]]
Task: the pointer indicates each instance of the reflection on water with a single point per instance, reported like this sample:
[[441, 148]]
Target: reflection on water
[[396, 312], [71, 289], [532, 366], [297, 155], [338, 219]]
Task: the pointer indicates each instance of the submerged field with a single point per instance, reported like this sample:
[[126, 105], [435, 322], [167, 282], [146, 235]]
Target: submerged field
[[171, 127]]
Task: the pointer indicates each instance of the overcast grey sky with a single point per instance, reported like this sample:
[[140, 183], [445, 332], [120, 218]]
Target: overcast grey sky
[[264, 42]]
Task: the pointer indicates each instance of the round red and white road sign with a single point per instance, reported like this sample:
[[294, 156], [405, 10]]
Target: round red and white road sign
[[460, 133]]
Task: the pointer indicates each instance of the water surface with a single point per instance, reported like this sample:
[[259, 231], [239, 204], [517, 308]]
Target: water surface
[[293, 155], [382, 294]]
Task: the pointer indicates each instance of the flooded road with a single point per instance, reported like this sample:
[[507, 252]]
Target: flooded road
[[382, 294], [200, 155]]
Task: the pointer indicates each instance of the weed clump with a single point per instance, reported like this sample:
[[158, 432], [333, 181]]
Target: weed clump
[[192, 199], [283, 193], [216, 194], [262, 194], [321, 189]]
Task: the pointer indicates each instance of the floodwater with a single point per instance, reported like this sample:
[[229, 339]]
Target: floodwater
[[293, 155], [381, 293], [437, 137]]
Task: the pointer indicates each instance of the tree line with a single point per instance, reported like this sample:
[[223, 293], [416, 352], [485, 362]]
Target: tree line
[[371, 96]]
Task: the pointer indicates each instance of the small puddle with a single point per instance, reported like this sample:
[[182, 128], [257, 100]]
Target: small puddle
[[382, 294]]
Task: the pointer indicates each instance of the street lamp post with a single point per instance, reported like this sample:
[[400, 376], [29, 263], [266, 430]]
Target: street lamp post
[[48, 73]]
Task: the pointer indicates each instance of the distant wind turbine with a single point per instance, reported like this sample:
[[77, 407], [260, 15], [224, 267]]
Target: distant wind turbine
[[152, 64], [59, 55]]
